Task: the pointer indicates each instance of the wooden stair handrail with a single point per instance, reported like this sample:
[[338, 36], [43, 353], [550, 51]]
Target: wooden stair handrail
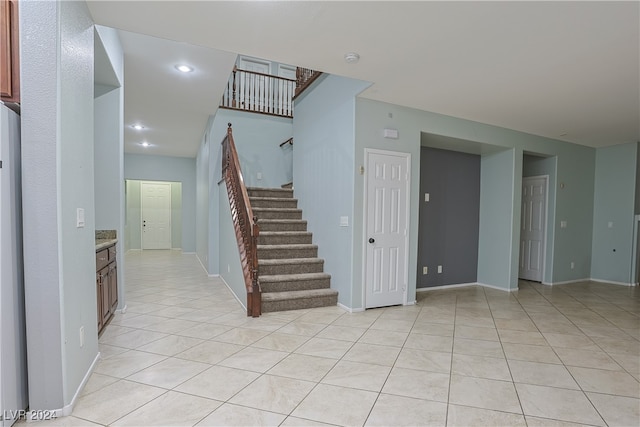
[[245, 223], [288, 141], [304, 78]]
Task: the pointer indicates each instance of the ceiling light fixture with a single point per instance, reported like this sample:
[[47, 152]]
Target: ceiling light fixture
[[145, 144], [351, 57], [184, 68], [137, 127]]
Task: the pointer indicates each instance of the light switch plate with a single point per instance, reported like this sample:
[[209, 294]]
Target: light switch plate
[[344, 221], [79, 218]]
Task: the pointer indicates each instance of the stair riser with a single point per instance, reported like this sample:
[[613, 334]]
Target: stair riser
[[287, 253], [280, 204], [284, 240], [299, 304], [283, 226], [277, 214], [299, 285], [270, 193], [273, 270]]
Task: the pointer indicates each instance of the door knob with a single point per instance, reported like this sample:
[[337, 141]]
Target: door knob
[[372, 240]]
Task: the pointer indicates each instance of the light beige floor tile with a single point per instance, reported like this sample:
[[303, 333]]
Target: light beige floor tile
[[371, 353], [134, 339], [465, 416], [343, 333], [323, 347], [218, 382], [302, 328], [542, 374], [169, 373], [617, 410], [254, 359], [111, 331], [274, 394], [557, 403], [280, 342], [440, 329], [318, 317], [303, 367], [609, 382], [477, 347], [471, 332], [96, 382], [204, 331], [424, 360], [106, 351], [516, 325], [531, 353], [630, 363], [114, 401], [362, 376], [170, 409], [521, 337], [132, 320], [429, 342], [484, 393], [264, 324], [546, 422], [171, 345], [393, 325], [210, 352], [476, 321], [229, 415], [570, 341], [419, 384], [494, 368], [357, 320], [240, 336], [380, 337], [336, 405], [587, 359], [300, 422], [392, 410], [619, 346], [124, 364], [69, 421]]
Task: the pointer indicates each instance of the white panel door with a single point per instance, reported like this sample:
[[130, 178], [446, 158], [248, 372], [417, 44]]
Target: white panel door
[[156, 215], [254, 89], [533, 228], [387, 219]]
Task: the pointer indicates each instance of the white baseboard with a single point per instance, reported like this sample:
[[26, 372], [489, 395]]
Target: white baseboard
[[350, 310], [566, 282], [484, 285], [66, 410], [613, 283], [233, 293], [122, 310], [213, 275], [202, 264], [188, 253], [435, 288]]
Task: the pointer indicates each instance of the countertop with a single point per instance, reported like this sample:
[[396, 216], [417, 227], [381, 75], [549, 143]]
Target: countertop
[[104, 243]]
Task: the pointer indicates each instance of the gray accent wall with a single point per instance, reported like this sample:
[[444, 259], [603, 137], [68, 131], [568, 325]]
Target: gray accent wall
[[449, 221]]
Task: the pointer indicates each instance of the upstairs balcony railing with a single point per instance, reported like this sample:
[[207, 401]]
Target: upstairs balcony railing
[[263, 93]]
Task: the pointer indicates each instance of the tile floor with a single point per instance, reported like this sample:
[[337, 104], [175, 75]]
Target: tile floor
[[185, 354]]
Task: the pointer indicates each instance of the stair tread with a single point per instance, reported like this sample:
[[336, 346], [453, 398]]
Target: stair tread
[[293, 246], [294, 277], [284, 190], [277, 209], [281, 220], [272, 199], [286, 261], [285, 233], [292, 295]]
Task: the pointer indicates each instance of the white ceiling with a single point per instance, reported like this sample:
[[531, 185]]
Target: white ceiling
[[564, 70]]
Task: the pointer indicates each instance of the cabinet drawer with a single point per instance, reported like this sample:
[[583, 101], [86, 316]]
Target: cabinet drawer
[[102, 259]]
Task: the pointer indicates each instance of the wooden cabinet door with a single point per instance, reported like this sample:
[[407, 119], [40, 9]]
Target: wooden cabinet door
[[9, 61], [99, 299], [113, 287], [105, 306]]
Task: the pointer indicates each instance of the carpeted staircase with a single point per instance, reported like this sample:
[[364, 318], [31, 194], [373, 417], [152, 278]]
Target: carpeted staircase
[[291, 274]]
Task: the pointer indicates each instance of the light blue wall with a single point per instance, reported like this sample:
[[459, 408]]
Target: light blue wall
[[575, 170], [230, 266], [497, 199], [615, 187], [56, 48], [173, 169], [323, 174], [202, 201], [538, 166]]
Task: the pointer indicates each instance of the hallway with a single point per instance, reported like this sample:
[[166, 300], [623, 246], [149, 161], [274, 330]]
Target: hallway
[[186, 354]]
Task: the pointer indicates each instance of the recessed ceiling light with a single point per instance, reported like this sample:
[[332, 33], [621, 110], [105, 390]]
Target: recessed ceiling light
[[351, 57], [184, 68], [145, 144], [137, 127]]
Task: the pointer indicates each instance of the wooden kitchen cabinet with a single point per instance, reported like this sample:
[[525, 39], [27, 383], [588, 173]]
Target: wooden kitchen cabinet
[[106, 285], [9, 50]]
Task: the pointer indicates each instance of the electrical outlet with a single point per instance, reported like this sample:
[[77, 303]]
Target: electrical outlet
[[425, 270], [573, 265], [228, 268], [81, 336], [439, 269], [426, 197]]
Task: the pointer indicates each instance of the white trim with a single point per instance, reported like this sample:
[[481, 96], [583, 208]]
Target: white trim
[[566, 282], [66, 410], [457, 285], [179, 249], [407, 156], [213, 275], [350, 310], [612, 282], [202, 265], [233, 293], [122, 310], [484, 285], [169, 183]]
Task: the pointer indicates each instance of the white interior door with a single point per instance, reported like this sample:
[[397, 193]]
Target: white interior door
[[533, 227], [253, 89], [286, 88], [156, 215], [387, 220]]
